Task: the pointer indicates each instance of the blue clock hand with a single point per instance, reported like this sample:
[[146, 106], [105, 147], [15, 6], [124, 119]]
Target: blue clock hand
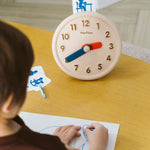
[[78, 53]]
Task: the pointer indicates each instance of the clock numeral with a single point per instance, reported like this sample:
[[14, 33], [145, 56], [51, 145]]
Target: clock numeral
[[65, 36], [88, 70], [111, 45], [98, 26], [100, 67], [107, 34], [76, 67], [73, 27], [109, 58], [62, 47], [85, 23]]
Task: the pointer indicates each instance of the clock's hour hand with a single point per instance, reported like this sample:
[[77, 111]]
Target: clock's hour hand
[[85, 48]]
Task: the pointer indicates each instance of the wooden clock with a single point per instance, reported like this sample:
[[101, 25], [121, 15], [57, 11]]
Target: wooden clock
[[86, 46]]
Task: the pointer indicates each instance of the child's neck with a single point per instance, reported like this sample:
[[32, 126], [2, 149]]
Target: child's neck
[[8, 127]]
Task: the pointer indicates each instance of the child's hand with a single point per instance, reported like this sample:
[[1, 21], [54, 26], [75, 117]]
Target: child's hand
[[98, 137], [66, 134]]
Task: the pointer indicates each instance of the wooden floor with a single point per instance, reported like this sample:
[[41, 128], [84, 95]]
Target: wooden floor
[[132, 17]]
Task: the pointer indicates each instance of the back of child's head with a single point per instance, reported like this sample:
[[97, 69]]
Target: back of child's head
[[16, 59]]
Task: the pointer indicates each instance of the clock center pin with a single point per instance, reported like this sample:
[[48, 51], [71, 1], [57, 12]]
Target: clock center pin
[[86, 48]]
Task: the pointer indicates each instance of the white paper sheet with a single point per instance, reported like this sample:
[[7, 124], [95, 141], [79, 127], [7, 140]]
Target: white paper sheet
[[47, 124]]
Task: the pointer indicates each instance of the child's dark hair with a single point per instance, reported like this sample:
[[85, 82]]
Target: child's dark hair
[[16, 59]]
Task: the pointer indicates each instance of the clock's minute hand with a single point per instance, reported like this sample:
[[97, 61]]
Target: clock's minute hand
[[85, 49]]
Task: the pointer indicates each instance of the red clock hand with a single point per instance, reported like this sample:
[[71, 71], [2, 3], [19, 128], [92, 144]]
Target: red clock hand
[[95, 45]]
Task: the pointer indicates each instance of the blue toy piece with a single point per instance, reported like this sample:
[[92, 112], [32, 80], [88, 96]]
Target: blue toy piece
[[36, 82], [33, 72], [82, 5]]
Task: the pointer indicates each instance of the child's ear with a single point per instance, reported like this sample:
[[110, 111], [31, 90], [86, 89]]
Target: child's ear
[[7, 105]]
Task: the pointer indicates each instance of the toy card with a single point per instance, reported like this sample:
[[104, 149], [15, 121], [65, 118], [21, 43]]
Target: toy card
[[37, 76], [83, 5]]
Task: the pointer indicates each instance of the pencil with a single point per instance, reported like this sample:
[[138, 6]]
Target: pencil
[[42, 92]]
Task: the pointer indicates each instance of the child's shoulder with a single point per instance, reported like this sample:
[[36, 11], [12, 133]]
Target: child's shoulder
[[37, 140], [43, 140]]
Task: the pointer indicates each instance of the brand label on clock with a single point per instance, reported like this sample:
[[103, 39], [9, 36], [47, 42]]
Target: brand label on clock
[[86, 46]]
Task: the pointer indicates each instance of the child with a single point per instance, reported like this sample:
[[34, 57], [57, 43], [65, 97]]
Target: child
[[16, 58]]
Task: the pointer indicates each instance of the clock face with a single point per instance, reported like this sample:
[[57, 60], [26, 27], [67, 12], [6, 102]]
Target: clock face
[[86, 46]]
